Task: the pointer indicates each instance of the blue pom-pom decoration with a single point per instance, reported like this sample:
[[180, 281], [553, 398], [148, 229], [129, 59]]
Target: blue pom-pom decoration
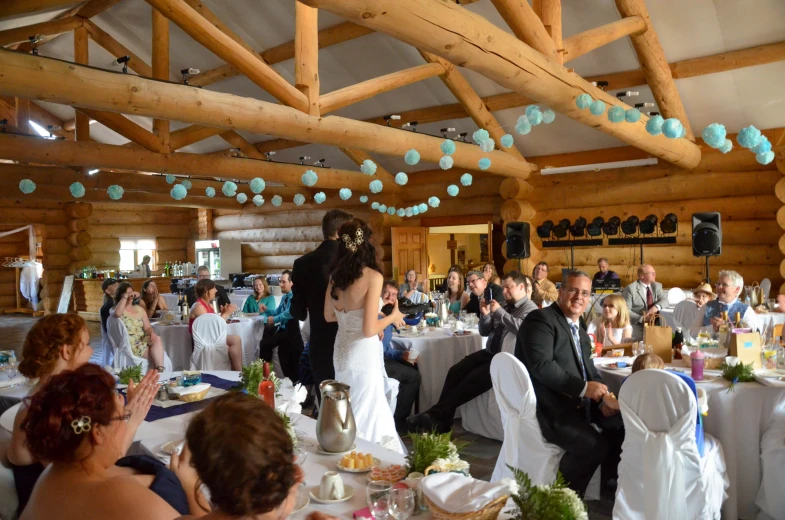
[[363, 198], [480, 135], [448, 147], [178, 192], [654, 125], [242, 198], [583, 101], [466, 179], [27, 186], [412, 157], [258, 185], [415, 210], [376, 186], [320, 197], [548, 116], [170, 178], [534, 117], [258, 200], [368, 167], [374, 205], [209, 191], [345, 193], [714, 135], [277, 200], [115, 192], [382, 208], [672, 128], [452, 190], [400, 212], [409, 212], [632, 115], [748, 137], [299, 199], [484, 163], [763, 146], [423, 207], [616, 114], [765, 157], [446, 162], [391, 210], [187, 184], [488, 145], [77, 189], [309, 178], [597, 107], [434, 202], [401, 178], [726, 147], [229, 189], [507, 140], [523, 126], [532, 109]]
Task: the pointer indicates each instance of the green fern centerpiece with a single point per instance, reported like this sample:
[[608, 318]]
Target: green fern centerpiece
[[554, 502], [253, 374], [736, 372], [433, 449]]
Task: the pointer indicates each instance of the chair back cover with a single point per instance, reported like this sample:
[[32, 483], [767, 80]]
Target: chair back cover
[[685, 313], [210, 350], [508, 344], [104, 356], [771, 499], [765, 289], [660, 468], [675, 295], [523, 447], [9, 500], [118, 338]]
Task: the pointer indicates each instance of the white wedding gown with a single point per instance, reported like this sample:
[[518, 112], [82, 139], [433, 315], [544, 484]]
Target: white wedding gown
[[358, 363]]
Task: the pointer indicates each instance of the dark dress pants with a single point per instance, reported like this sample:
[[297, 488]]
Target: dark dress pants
[[290, 347], [467, 379], [409, 378]]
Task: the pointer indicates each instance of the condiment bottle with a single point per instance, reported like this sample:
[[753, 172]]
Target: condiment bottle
[[266, 388]]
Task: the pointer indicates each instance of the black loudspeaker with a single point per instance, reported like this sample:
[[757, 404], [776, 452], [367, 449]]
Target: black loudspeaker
[[518, 240], [706, 234]]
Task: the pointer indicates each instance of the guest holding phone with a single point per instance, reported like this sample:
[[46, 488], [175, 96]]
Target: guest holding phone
[[142, 338], [151, 300], [477, 287]]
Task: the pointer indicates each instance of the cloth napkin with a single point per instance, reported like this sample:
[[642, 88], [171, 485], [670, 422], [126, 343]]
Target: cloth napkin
[[291, 397], [455, 493], [18, 380]]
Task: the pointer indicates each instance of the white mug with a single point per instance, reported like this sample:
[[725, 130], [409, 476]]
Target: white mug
[[413, 354], [331, 486]]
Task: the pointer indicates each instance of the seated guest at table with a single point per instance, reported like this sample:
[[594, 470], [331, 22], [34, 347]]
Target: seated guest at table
[[570, 392], [489, 273], [614, 324], [151, 300], [143, 340], [411, 285], [543, 289], [206, 291], [287, 338], [477, 286], [703, 294], [455, 292], [398, 366], [644, 298], [203, 273], [729, 286], [471, 377], [604, 273], [261, 300], [80, 425]]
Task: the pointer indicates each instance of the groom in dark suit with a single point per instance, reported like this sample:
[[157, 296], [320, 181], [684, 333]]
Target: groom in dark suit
[[571, 395], [310, 275]]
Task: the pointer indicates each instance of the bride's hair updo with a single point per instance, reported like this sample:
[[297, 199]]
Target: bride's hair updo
[[355, 252]]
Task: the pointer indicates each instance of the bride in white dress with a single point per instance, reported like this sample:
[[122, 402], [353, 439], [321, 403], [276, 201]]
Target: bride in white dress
[[352, 299]]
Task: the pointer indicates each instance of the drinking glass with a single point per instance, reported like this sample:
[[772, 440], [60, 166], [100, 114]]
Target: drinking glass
[[12, 370], [401, 503], [377, 498], [463, 315]]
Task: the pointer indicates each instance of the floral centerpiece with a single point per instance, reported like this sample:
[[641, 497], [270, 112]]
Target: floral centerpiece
[[735, 371], [287, 423], [253, 374], [554, 502], [437, 452]]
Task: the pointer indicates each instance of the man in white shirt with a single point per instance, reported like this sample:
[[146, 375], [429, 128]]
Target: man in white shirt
[[644, 299], [729, 286]]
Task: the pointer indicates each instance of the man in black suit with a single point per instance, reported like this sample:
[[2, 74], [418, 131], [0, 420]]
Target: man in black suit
[[477, 285], [570, 393], [310, 275], [203, 273]]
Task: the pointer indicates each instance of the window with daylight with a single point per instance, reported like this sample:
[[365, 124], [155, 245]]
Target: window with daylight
[[133, 250]]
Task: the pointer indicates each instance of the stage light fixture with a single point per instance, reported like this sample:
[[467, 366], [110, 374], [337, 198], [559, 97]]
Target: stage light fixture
[[579, 227], [595, 228], [560, 230], [648, 225], [669, 223], [630, 226], [611, 227], [544, 230]]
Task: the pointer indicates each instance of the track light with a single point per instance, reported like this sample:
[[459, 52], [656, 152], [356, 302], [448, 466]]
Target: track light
[[630, 226], [123, 60], [445, 130], [628, 93], [600, 84], [648, 225], [560, 230], [52, 129], [669, 223], [392, 117], [93, 171], [269, 155], [303, 159], [463, 136], [595, 228], [187, 73], [544, 230], [412, 125], [647, 104], [34, 41], [652, 114], [320, 163]]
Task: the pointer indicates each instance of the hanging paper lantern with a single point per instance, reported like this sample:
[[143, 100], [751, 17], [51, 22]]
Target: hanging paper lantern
[[178, 192], [242, 198], [765, 157], [382, 208], [654, 125], [320, 197], [170, 178], [466, 179], [616, 114], [408, 212], [507, 140], [726, 147], [309, 178], [363, 198], [368, 167], [434, 202], [748, 137], [548, 116], [480, 135], [484, 163], [277, 200], [423, 207], [258, 200], [401, 178], [209, 191], [229, 189], [115, 192], [632, 115], [488, 145], [446, 162], [375, 186], [532, 109], [27, 186], [534, 116], [299, 199], [448, 147], [714, 135], [412, 157], [77, 190], [672, 128], [523, 126], [345, 193], [452, 190], [583, 101], [763, 146], [401, 212], [597, 107], [391, 210], [258, 185], [415, 210], [374, 205]]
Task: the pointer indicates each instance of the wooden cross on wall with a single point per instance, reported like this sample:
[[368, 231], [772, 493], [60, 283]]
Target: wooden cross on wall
[[452, 245]]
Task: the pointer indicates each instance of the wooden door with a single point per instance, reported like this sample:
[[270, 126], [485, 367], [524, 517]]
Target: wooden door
[[410, 251]]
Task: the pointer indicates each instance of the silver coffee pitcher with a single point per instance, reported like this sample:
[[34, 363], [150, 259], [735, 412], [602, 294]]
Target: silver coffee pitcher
[[335, 427], [443, 308]]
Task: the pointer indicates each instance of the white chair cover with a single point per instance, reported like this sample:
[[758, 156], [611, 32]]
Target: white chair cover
[[675, 295], [210, 350], [124, 357], [771, 496], [685, 313], [104, 356], [391, 386], [661, 474], [765, 287], [523, 447], [8, 498]]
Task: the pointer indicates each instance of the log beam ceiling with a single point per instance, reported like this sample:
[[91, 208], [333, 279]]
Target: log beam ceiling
[[9, 8], [161, 71], [81, 56]]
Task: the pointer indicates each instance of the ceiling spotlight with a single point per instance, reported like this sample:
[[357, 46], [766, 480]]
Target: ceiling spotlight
[[611, 227], [93, 171], [187, 73], [412, 125], [463, 136], [630, 226], [648, 225], [34, 41], [445, 130], [269, 155], [647, 104], [320, 163], [669, 223], [303, 159], [544, 230], [651, 114], [628, 93], [391, 117], [123, 60], [600, 84]]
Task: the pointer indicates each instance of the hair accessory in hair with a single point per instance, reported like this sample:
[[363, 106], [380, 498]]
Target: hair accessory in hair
[[81, 425], [352, 245]]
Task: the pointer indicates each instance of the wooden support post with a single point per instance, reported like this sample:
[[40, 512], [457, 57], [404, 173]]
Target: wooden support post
[[161, 71], [125, 127], [81, 56], [527, 26], [192, 134], [579, 44], [551, 19], [22, 114], [9, 8], [306, 55]]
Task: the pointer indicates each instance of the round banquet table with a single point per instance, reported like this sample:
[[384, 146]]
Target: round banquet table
[[438, 352], [738, 421], [178, 345]]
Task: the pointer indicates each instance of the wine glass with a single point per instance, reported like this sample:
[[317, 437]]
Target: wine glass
[[401, 503], [11, 370], [377, 497]]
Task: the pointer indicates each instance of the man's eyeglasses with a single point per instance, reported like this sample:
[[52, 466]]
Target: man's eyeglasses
[[578, 292], [720, 285]]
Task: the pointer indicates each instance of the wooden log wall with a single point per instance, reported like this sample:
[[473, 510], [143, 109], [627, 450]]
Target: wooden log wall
[[745, 199]]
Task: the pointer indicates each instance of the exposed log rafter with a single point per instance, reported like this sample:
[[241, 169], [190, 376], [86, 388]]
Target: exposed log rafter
[[50, 28], [527, 26], [81, 56], [306, 55], [116, 49], [161, 71], [125, 127], [12, 8], [582, 43]]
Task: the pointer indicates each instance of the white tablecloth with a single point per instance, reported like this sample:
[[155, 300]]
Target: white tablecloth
[[178, 345], [438, 352], [738, 420]]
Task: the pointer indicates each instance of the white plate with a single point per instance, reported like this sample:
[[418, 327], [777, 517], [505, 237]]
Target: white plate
[[765, 372], [172, 446], [302, 500], [376, 462], [706, 379], [410, 334], [348, 492], [323, 452], [239, 320]]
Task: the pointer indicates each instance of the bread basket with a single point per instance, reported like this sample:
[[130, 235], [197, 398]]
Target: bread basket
[[489, 512]]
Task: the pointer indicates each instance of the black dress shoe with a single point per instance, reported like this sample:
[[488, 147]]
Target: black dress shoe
[[425, 423]]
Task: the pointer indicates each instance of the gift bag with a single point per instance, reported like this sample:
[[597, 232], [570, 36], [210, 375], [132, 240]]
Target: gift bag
[[746, 347], [660, 337]]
